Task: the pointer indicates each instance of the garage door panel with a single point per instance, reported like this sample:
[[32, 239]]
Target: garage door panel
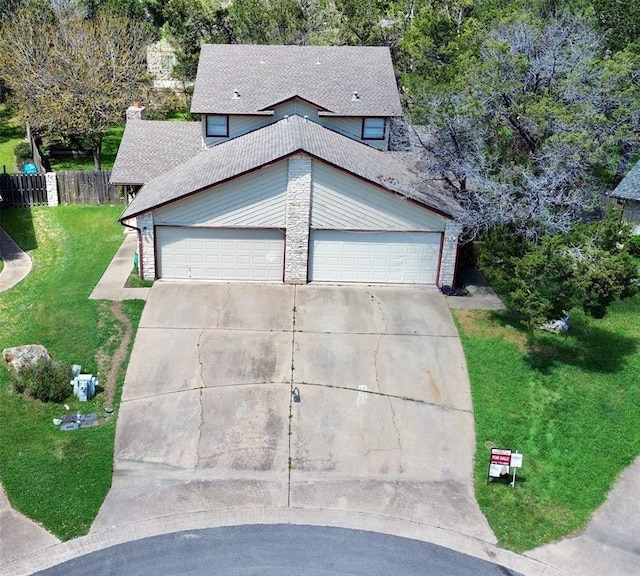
[[220, 254], [380, 257]]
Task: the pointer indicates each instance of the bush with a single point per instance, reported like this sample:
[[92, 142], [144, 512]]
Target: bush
[[633, 245], [454, 291], [22, 152], [44, 380]]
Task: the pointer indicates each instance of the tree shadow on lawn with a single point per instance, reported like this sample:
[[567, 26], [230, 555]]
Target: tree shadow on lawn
[[18, 222], [586, 346]]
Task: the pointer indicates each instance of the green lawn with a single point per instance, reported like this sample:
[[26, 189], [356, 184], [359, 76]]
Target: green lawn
[[110, 146], [60, 478], [10, 135], [570, 404]]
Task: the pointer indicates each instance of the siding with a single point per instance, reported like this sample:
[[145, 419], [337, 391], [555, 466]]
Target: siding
[[256, 199], [341, 201], [347, 126], [352, 127]]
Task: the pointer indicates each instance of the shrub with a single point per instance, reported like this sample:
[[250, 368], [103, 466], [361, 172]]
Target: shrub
[[633, 245], [22, 152], [454, 291], [44, 380]]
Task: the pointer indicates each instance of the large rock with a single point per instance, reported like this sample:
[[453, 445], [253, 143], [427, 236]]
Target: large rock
[[20, 356]]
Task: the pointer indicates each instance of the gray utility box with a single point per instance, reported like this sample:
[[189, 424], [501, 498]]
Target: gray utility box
[[84, 386]]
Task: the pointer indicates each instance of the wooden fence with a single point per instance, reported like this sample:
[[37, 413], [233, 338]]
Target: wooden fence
[[23, 190], [84, 187]]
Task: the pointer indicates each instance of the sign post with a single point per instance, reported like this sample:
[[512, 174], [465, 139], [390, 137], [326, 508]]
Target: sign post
[[516, 462]]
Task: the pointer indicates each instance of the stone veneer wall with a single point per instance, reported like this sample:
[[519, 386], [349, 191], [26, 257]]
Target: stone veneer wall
[[146, 247], [449, 253], [297, 217], [52, 189]]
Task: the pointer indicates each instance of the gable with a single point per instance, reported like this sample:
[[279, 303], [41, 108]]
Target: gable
[[342, 201], [273, 143], [256, 199]]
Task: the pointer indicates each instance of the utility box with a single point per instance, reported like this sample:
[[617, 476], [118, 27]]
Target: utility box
[[84, 386]]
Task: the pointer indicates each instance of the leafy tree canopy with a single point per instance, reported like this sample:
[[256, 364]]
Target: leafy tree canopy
[[588, 268]]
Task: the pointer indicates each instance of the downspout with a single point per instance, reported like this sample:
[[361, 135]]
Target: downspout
[[139, 237]]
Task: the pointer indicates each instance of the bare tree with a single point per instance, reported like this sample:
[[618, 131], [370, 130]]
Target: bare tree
[[70, 76], [541, 116]]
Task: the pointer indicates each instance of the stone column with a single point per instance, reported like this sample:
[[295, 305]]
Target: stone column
[[146, 248], [52, 189], [297, 217], [449, 253]]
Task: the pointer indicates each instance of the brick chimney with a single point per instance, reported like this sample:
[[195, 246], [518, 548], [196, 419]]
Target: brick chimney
[[136, 112]]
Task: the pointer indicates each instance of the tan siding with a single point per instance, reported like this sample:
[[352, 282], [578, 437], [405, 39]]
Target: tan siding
[[256, 199], [295, 107], [341, 201]]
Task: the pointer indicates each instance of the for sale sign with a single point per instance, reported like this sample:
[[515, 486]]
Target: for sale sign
[[499, 462]]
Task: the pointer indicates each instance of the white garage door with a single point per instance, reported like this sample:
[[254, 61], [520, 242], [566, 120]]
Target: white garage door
[[220, 254], [393, 257]]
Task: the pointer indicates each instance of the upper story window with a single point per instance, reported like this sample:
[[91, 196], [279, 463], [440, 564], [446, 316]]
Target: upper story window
[[217, 125], [373, 129]]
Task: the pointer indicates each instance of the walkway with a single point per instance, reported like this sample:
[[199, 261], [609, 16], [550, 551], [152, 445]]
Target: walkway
[[17, 263], [112, 284]]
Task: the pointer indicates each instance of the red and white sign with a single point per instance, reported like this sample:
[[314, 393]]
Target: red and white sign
[[499, 462]]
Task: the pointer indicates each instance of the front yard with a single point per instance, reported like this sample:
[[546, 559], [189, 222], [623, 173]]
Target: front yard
[[61, 478], [570, 404]]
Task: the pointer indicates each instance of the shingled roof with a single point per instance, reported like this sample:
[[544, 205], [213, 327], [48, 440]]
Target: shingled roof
[[326, 76], [149, 148], [278, 141], [629, 188]]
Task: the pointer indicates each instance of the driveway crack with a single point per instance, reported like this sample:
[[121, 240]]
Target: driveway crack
[[291, 386], [395, 426], [225, 303], [375, 361], [201, 388]]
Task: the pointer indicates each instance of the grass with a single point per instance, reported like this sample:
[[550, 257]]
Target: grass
[[60, 479], [11, 134], [570, 404], [134, 280], [110, 145]]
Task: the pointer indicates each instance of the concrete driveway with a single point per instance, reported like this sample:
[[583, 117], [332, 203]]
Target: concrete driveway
[[208, 422]]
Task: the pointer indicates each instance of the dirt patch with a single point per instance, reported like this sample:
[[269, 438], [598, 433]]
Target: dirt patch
[[110, 365], [480, 323]]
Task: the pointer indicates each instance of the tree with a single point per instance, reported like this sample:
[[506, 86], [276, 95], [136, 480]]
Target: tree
[[191, 23], [70, 76], [537, 127], [588, 268]]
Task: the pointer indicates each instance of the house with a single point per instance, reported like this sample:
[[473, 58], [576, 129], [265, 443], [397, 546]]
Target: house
[[627, 193], [288, 177]]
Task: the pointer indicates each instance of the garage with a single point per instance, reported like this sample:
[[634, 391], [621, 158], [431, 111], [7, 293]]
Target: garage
[[220, 253], [377, 257]]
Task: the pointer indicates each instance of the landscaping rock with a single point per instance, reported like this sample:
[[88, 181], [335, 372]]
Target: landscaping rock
[[21, 356]]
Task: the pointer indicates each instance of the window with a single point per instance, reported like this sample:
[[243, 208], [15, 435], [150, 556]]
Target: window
[[218, 126], [373, 129]]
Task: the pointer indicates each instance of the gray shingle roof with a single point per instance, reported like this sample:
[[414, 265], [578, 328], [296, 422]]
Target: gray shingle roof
[[151, 147], [277, 141], [629, 188], [324, 75]]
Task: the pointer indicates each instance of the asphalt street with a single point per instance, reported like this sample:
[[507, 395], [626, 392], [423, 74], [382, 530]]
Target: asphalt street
[[277, 550]]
